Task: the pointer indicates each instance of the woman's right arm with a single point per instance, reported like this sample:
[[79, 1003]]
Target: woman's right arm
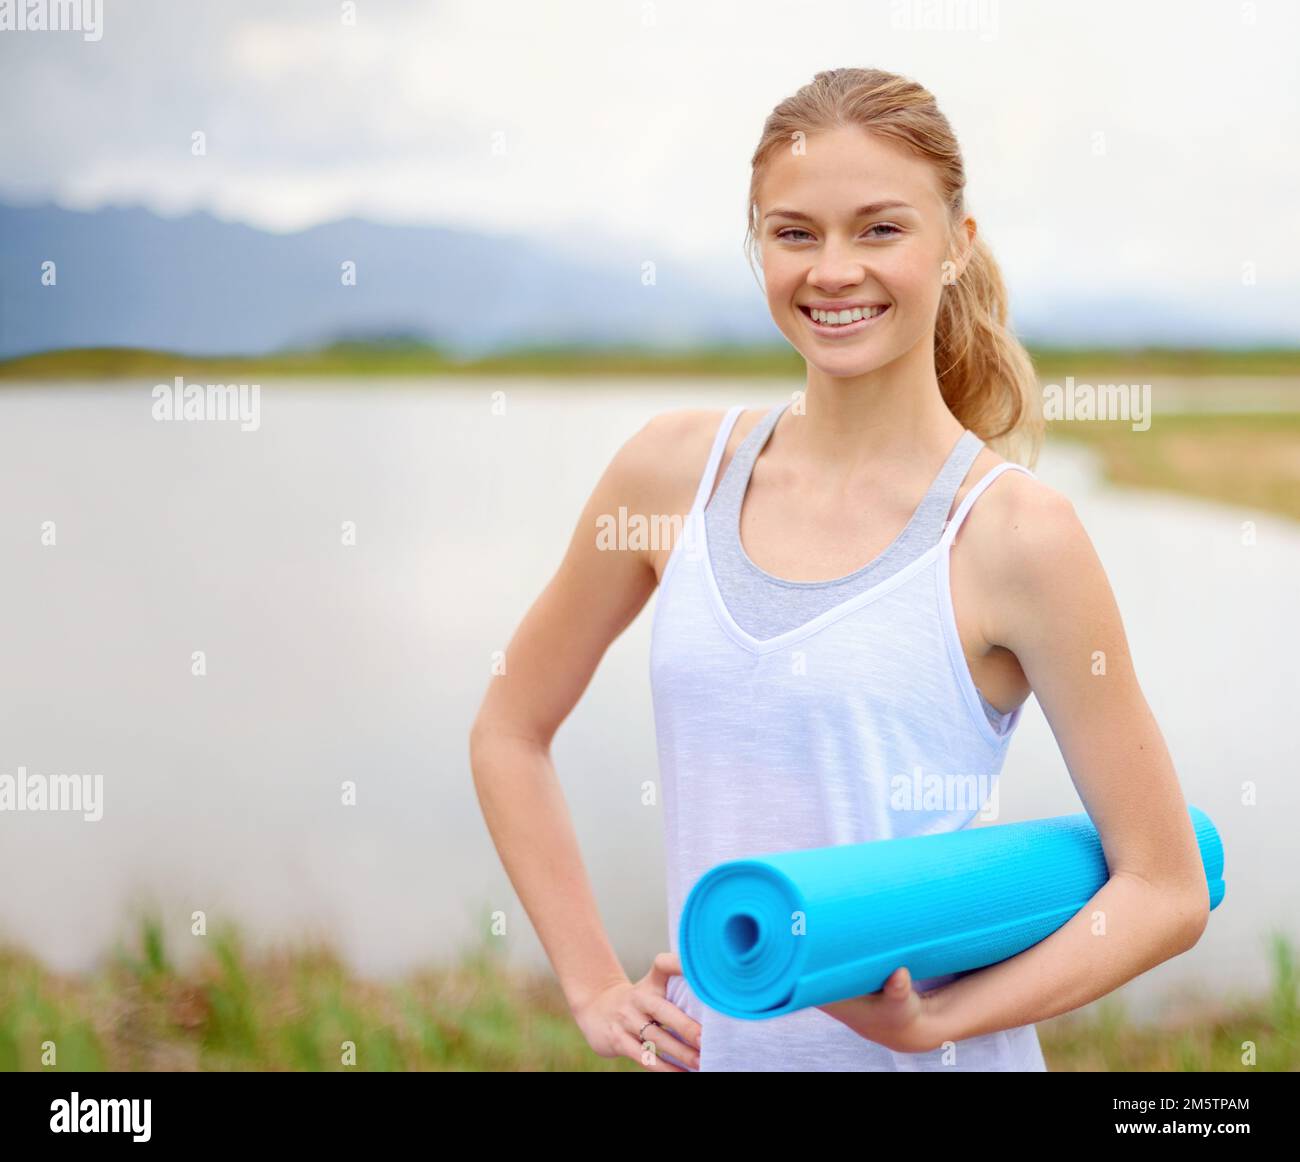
[[594, 595]]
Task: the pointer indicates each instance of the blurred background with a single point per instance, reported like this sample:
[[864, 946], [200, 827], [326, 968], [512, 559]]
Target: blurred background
[[466, 251]]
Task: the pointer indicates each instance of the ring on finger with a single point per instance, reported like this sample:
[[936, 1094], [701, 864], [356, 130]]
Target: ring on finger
[[641, 1034]]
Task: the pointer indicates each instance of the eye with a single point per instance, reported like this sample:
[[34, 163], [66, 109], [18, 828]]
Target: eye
[[891, 231]]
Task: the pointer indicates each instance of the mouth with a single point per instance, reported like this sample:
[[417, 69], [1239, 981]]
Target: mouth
[[857, 319]]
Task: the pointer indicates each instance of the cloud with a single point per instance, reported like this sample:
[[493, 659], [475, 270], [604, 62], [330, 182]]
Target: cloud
[[635, 121]]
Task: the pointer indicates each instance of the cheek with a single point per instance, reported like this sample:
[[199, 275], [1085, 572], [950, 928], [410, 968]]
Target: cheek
[[781, 275], [912, 280]]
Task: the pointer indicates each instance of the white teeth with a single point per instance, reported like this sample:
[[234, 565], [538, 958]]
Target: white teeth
[[839, 318]]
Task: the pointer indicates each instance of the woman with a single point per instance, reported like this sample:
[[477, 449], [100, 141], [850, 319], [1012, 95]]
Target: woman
[[800, 694]]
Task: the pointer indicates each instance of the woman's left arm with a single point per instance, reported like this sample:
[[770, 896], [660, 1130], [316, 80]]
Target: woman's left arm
[[1054, 609]]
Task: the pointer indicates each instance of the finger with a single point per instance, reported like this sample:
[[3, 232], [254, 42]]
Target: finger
[[671, 1017], [889, 988], [645, 1023], [665, 1043], [666, 964], [629, 1046]]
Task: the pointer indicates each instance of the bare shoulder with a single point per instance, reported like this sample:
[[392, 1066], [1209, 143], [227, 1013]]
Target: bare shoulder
[[1025, 547], [663, 460], [1019, 526], [679, 434], [666, 458]]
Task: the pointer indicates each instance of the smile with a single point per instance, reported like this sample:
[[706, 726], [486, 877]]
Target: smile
[[854, 320]]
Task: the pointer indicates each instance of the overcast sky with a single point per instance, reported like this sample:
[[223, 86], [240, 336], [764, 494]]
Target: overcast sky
[[587, 121]]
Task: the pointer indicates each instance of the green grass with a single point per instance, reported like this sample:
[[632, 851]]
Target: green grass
[[296, 1009], [1250, 459], [1129, 364], [777, 360], [1211, 1035], [342, 359], [397, 359]]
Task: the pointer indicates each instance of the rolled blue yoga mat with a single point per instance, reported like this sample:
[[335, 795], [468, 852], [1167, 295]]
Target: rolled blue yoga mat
[[769, 935]]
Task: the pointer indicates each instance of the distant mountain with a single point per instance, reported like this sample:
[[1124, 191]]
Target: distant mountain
[[1233, 317], [199, 285], [127, 277]]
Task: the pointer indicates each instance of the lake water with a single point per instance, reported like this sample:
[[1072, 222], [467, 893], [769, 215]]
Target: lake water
[[328, 663]]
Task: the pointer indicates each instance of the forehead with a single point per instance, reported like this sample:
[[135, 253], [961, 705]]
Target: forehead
[[844, 168]]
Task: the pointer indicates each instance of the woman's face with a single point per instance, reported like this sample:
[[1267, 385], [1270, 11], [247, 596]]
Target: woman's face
[[856, 223]]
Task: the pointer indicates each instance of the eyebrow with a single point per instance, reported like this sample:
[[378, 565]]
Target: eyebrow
[[860, 212]]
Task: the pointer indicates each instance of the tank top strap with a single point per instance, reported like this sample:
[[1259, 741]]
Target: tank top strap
[[950, 530], [715, 456], [928, 522], [725, 505]]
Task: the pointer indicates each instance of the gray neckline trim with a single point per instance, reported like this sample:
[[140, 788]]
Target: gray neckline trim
[[924, 527]]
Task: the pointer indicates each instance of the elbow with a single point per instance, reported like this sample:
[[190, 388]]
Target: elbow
[[1183, 912], [480, 735], [488, 736], [485, 763], [1194, 916]]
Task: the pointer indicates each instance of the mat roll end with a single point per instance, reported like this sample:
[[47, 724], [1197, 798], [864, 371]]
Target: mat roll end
[[758, 954]]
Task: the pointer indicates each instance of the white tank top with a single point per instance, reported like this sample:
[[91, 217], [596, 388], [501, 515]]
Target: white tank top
[[861, 724]]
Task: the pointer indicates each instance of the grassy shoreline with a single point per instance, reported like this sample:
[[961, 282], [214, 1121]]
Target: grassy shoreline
[[1250, 459], [401, 359], [292, 1009]]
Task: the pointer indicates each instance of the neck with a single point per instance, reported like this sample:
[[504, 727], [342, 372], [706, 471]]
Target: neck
[[889, 418]]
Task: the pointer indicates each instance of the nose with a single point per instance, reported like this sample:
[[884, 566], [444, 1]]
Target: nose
[[836, 267]]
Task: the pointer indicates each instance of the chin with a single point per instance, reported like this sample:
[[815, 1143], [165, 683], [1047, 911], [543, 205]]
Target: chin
[[850, 372], [847, 365]]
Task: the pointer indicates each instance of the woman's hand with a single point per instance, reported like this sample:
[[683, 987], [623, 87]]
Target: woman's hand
[[897, 1017], [612, 1021]]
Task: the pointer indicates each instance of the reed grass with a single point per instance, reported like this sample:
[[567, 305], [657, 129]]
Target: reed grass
[[299, 1009]]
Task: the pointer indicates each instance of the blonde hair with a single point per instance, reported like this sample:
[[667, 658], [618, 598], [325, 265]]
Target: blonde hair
[[985, 374]]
